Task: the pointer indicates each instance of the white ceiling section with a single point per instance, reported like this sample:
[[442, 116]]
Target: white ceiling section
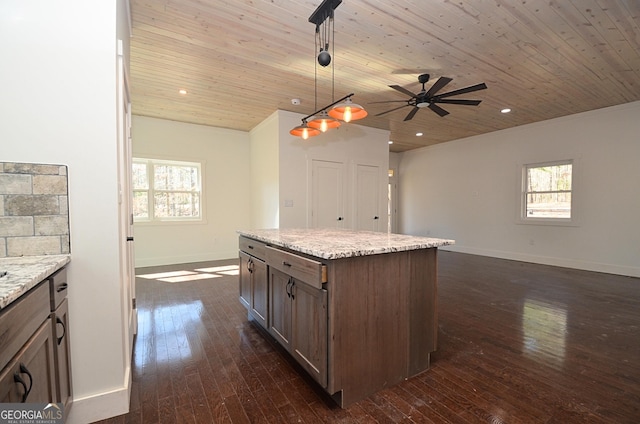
[[240, 60]]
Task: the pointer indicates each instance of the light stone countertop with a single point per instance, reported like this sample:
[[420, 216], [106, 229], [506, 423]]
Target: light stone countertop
[[25, 272], [335, 243]]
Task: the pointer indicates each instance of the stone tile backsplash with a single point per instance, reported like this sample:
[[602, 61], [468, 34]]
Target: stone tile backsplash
[[34, 210]]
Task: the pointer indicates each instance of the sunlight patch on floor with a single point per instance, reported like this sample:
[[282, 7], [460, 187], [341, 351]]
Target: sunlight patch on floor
[[184, 275], [183, 278]]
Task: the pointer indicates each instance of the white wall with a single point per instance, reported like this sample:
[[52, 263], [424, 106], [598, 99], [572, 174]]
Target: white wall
[[225, 155], [350, 143], [467, 190], [265, 171], [58, 105]]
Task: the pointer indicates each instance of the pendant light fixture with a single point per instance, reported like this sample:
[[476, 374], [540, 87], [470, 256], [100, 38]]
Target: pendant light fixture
[[304, 131], [343, 109], [323, 121], [348, 111]]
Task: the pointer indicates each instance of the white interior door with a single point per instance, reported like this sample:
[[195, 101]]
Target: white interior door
[[127, 262], [367, 198], [327, 194]]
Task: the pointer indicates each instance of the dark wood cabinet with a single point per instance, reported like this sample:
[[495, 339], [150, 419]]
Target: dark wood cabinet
[[280, 311], [253, 284], [245, 279], [309, 329], [26, 353], [62, 348], [30, 376], [356, 324], [35, 359]]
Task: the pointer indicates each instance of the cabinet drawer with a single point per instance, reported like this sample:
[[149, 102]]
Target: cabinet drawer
[[253, 247], [21, 319], [58, 288], [306, 270]]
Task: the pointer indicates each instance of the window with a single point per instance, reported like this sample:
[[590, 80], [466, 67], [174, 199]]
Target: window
[[547, 192], [166, 190]]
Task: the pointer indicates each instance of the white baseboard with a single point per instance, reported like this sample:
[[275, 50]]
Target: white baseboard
[[185, 259], [546, 260], [92, 408]]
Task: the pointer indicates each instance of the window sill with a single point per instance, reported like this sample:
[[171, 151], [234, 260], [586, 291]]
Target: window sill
[[549, 221]]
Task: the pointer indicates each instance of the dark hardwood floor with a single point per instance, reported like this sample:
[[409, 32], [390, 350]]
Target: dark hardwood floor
[[517, 343]]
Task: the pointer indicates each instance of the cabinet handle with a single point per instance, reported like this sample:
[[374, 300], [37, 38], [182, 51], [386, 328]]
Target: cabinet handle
[[289, 288], [250, 247], [376, 217], [286, 263], [290, 285], [62, 287], [18, 379], [339, 218], [64, 330], [250, 265]]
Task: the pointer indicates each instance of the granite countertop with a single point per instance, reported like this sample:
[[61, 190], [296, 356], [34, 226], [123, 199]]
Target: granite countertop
[[24, 273], [336, 243]]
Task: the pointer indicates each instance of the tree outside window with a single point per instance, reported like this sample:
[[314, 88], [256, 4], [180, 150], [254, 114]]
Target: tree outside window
[[547, 191], [166, 190]]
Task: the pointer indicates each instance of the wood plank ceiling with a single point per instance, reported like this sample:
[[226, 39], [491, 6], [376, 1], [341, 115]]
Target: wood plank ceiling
[[240, 60]]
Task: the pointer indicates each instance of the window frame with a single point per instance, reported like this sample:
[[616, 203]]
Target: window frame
[[149, 162], [522, 195]]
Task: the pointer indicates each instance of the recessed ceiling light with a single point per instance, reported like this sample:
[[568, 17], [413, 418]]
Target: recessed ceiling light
[[182, 91], [390, 142], [505, 110], [418, 134]]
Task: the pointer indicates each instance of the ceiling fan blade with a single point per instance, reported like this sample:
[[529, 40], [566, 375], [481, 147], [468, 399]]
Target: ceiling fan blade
[[438, 85], [437, 109], [469, 89], [391, 110], [403, 90], [457, 101], [412, 113]]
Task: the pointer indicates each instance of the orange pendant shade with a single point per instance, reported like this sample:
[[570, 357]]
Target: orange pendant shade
[[304, 131], [323, 122], [348, 111]]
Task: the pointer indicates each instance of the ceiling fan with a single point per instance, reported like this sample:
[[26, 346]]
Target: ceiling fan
[[429, 98]]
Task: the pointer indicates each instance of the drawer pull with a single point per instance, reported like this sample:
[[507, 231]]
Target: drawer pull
[[64, 330], [62, 287], [18, 379], [289, 288], [285, 263]]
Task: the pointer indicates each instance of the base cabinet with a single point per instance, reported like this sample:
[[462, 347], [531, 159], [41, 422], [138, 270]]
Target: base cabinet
[[298, 321], [254, 281], [62, 354], [309, 329], [35, 363], [30, 376], [356, 324]]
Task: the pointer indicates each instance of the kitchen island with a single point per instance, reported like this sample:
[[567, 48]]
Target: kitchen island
[[357, 310]]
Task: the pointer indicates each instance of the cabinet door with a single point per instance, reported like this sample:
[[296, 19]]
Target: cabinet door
[[309, 324], [280, 303], [259, 291], [60, 323], [245, 279], [29, 376]]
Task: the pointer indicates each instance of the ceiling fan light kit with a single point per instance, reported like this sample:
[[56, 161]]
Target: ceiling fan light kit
[[341, 110], [429, 98]]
